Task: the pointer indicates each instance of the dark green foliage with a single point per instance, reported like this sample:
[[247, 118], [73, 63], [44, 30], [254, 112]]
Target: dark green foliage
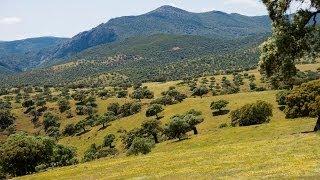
[[142, 93], [50, 120], [64, 105], [281, 97], [69, 130], [252, 114], [96, 152], [303, 101], [128, 137], [81, 125], [63, 156], [6, 119], [181, 124], [108, 140], [21, 154], [154, 110], [105, 119], [122, 94], [152, 128], [294, 37], [28, 103], [200, 91], [172, 96], [219, 105], [177, 128], [140, 146], [114, 107]]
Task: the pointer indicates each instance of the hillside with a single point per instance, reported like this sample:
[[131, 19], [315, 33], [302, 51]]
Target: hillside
[[271, 150], [24, 54], [149, 59], [168, 20]]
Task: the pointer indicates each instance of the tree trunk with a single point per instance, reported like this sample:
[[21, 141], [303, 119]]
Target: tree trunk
[[317, 127], [155, 138], [195, 131]]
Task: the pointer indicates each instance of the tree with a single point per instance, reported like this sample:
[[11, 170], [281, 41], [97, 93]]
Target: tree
[[219, 105], [177, 128], [6, 119], [304, 101], [252, 114], [193, 121], [69, 130], [64, 105], [82, 125], [154, 110], [108, 140], [140, 145], [105, 119], [152, 128], [294, 37], [50, 120], [21, 154], [114, 107], [200, 91], [28, 103]]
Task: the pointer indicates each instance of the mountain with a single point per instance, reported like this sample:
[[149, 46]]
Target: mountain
[[20, 55], [165, 20], [147, 58]]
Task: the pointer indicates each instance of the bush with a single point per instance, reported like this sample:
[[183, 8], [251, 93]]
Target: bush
[[223, 125], [69, 130], [154, 110], [21, 154], [6, 119], [97, 152], [252, 114], [303, 101], [140, 146], [219, 105]]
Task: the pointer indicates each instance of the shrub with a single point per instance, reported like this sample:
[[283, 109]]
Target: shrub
[[223, 125], [96, 152], [252, 114], [69, 130], [302, 101], [154, 110], [140, 146], [219, 105], [21, 154], [6, 119], [108, 140]]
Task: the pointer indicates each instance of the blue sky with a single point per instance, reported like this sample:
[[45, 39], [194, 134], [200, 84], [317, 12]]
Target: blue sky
[[21, 19]]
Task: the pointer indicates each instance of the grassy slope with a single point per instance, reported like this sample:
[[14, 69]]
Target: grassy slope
[[275, 149]]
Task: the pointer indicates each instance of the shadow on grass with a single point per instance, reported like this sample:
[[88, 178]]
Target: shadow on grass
[[220, 113], [83, 132]]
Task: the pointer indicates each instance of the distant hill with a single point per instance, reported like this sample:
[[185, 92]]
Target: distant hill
[[149, 58], [166, 20], [20, 55]]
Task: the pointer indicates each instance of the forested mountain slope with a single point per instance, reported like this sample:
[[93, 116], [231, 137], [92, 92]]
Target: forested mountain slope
[[168, 20], [154, 58], [24, 54]]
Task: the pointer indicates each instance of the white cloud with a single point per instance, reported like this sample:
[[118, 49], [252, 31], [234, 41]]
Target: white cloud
[[10, 20]]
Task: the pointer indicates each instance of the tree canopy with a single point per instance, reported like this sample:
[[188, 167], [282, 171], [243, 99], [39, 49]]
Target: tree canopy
[[294, 36]]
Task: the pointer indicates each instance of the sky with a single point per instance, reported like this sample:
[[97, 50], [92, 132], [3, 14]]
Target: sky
[[20, 19]]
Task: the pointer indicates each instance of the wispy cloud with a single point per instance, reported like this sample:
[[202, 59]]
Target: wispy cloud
[[10, 20]]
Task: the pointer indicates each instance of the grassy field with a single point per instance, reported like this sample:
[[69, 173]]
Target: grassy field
[[277, 149]]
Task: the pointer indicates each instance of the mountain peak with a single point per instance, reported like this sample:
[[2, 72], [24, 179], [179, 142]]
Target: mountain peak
[[168, 8]]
